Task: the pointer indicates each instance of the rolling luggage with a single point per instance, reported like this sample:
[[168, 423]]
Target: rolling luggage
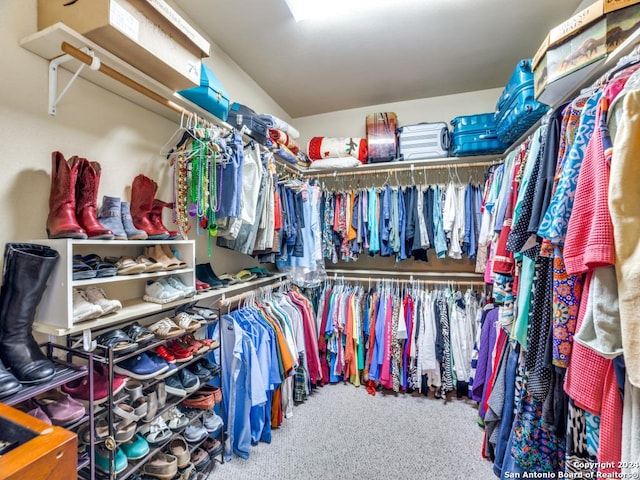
[[423, 140], [382, 140], [517, 109], [475, 135], [244, 118]]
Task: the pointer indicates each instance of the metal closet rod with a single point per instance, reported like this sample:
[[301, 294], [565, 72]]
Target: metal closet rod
[[223, 302], [391, 171], [110, 72], [421, 277]]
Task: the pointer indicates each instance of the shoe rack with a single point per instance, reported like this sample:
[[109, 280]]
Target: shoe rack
[[109, 359], [55, 315], [66, 372]]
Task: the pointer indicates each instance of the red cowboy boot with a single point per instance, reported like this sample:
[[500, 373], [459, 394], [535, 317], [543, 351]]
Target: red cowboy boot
[[155, 217], [87, 199], [143, 191], [61, 222]]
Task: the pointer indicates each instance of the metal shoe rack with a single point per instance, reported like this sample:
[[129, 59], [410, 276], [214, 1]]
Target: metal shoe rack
[[66, 372], [108, 358]]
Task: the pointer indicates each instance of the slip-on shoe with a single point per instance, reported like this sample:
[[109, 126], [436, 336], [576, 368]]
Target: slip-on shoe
[[211, 421], [136, 448], [60, 407], [140, 367], [213, 446], [162, 465], [173, 386], [103, 462], [189, 380], [179, 448], [79, 389], [200, 458], [195, 432]]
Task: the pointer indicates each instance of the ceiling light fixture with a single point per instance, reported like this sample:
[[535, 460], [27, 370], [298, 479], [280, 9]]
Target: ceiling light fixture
[[316, 9]]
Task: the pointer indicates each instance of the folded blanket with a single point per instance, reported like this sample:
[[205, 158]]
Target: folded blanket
[[285, 153], [274, 122], [336, 147], [335, 163], [283, 138]]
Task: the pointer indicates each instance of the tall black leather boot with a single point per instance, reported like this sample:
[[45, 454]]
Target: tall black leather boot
[[8, 383], [26, 270]]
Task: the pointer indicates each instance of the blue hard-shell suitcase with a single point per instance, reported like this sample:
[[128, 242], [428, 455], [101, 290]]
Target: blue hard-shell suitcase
[[475, 135], [210, 95], [517, 109]]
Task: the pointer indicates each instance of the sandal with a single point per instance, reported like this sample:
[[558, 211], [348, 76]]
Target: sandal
[[139, 334], [118, 341], [186, 322], [230, 279], [82, 271], [175, 419], [245, 276], [165, 328], [150, 264], [126, 265], [102, 268], [156, 431]]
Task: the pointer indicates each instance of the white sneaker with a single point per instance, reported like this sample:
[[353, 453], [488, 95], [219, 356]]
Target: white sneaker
[[178, 284], [83, 309], [211, 421], [158, 292], [97, 296]]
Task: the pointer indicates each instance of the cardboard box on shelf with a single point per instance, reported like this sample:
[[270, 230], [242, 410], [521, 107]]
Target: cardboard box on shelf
[[162, 14], [126, 32], [574, 49]]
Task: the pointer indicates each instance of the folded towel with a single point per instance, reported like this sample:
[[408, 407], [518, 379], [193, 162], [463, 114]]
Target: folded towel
[[283, 138], [335, 163], [336, 147], [274, 122]]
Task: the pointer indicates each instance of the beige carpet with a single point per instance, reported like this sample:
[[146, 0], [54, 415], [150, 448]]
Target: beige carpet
[[341, 432]]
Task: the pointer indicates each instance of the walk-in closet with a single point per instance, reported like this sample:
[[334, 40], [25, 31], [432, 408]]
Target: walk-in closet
[[288, 239]]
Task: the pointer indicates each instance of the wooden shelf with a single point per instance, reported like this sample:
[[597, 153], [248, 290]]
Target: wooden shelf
[[46, 44], [417, 164]]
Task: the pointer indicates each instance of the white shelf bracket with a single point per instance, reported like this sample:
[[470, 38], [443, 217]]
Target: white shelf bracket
[[54, 65]]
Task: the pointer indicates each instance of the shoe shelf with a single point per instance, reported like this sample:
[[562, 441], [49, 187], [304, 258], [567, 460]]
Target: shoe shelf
[[136, 308], [128, 278], [83, 463], [104, 358], [65, 373], [55, 315]]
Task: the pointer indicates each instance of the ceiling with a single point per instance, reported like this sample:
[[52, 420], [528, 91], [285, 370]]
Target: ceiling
[[421, 49]]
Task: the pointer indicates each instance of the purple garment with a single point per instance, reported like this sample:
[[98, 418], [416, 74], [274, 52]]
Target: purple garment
[[487, 343]]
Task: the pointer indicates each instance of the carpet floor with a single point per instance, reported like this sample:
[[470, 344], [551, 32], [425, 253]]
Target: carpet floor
[[341, 432]]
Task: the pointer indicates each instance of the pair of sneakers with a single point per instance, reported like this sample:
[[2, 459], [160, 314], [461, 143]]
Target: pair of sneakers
[[92, 302], [167, 289]]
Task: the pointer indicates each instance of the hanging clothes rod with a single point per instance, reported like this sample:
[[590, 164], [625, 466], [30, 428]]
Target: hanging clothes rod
[[223, 302], [406, 280], [110, 72], [393, 170], [414, 275]]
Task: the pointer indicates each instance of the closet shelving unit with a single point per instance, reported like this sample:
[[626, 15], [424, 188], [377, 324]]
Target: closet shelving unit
[[108, 358], [65, 372]]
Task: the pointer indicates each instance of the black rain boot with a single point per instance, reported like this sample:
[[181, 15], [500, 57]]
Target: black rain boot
[[8, 383], [26, 270]]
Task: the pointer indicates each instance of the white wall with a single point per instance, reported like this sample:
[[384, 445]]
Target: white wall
[[351, 123], [91, 122]]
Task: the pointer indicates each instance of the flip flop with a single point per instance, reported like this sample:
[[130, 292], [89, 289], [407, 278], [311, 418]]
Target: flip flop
[[245, 276], [82, 271], [102, 268], [118, 341]]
